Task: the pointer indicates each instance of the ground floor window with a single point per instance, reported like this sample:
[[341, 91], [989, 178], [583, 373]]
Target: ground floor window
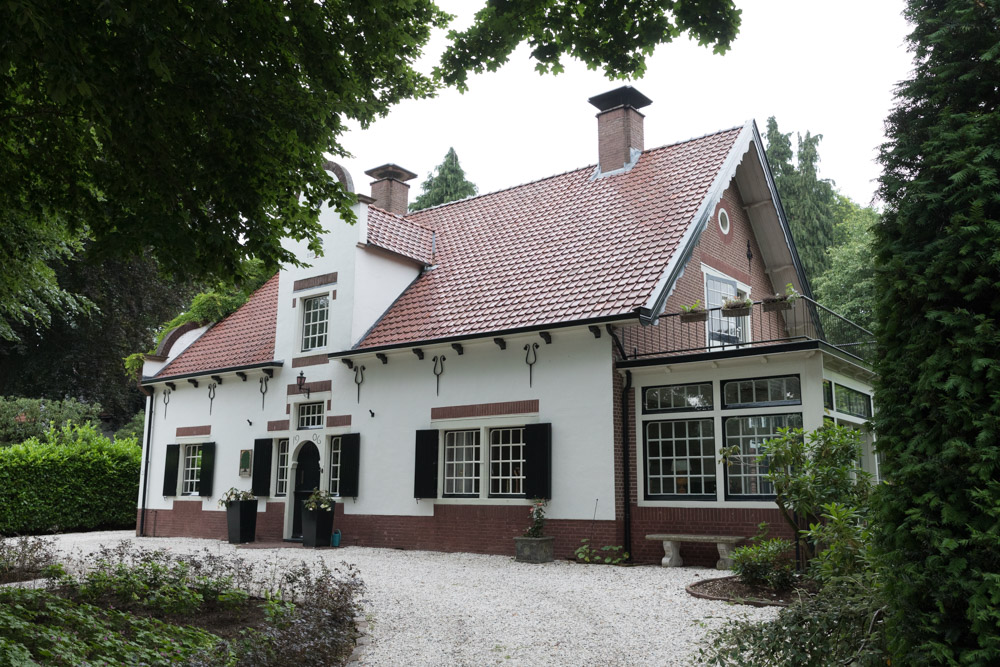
[[281, 485], [462, 463], [335, 449], [680, 458], [744, 473], [192, 470], [507, 462]]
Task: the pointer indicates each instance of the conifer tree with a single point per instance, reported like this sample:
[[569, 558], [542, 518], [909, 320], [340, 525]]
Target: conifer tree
[[938, 387], [446, 183], [808, 201]]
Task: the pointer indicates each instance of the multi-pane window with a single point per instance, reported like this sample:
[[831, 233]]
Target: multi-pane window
[[828, 394], [678, 398], [853, 402], [315, 312], [192, 470], [335, 465], [744, 472], [723, 331], [785, 390], [281, 486], [461, 463], [310, 415], [507, 462], [680, 458]]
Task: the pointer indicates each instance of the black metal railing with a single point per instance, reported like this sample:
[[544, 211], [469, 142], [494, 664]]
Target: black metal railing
[[760, 325]]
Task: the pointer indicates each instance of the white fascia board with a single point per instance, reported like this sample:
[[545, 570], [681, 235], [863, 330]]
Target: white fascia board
[[675, 267]]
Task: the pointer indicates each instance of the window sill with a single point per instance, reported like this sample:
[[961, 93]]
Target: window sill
[[519, 501], [702, 504]]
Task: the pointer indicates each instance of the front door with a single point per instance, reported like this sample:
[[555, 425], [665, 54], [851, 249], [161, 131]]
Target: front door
[[306, 479]]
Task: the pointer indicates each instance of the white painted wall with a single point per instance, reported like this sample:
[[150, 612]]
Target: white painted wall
[[379, 280]]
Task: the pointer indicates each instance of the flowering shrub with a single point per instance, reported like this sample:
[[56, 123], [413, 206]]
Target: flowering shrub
[[319, 500], [537, 514], [234, 495]]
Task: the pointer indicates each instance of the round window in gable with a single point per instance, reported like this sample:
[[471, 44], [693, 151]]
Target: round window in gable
[[723, 221]]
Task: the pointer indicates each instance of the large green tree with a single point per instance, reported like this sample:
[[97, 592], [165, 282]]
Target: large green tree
[[446, 183], [809, 202], [938, 392], [201, 129], [847, 286]]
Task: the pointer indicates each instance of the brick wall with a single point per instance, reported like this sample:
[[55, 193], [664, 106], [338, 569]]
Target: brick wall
[[618, 130], [188, 519]]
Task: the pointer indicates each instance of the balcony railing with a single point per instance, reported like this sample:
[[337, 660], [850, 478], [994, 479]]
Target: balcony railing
[[803, 320]]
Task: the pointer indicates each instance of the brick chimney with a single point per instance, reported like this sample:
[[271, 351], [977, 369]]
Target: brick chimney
[[619, 127], [389, 189]]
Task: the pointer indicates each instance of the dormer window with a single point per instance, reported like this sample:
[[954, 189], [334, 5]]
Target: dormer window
[[315, 313]]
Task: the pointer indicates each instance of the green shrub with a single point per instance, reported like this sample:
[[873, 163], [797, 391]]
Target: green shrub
[[24, 418], [845, 539], [841, 625], [133, 429], [24, 558], [606, 555], [73, 479], [766, 563]]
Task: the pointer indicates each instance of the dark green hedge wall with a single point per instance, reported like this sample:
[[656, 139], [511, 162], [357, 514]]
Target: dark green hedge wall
[[72, 479]]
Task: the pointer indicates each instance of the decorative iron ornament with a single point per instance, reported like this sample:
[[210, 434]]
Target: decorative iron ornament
[[359, 378], [749, 258], [263, 390], [166, 400], [438, 370], [531, 358], [211, 396]]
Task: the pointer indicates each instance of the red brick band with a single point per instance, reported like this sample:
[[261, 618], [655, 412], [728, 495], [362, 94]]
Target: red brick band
[[319, 385], [186, 431], [338, 420], [279, 425], [485, 409], [312, 360], [315, 281]]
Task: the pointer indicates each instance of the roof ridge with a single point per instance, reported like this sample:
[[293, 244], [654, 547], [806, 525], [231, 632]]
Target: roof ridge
[[406, 219], [563, 173]]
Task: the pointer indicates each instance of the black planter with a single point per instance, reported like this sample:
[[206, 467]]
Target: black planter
[[241, 517], [317, 527]]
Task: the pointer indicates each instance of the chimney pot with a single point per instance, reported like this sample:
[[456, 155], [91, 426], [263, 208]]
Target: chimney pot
[[619, 127], [389, 189]]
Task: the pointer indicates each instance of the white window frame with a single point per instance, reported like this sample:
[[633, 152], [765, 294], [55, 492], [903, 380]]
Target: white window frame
[[281, 478], [506, 462], [191, 470], [729, 222], [718, 323], [484, 425], [463, 463], [309, 416], [315, 322], [335, 452]]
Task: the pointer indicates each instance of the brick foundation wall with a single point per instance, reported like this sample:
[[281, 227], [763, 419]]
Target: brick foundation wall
[[188, 519]]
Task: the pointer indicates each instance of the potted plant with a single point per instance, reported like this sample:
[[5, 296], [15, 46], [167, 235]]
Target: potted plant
[[534, 547], [694, 312], [781, 301], [241, 515], [317, 519], [737, 306]]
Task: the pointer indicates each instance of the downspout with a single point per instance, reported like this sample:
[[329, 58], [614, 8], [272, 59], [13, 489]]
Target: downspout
[[150, 412], [626, 477]]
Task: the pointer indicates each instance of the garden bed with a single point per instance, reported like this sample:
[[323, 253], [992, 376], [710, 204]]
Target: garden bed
[[731, 589]]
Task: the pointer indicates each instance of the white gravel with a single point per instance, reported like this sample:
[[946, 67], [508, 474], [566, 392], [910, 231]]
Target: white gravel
[[429, 608]]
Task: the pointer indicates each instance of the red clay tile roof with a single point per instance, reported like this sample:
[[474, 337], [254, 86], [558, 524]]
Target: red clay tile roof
[[244, 338], [562, 249], [399, 235]]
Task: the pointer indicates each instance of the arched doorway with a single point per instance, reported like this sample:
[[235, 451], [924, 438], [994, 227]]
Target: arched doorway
[[306, 479]]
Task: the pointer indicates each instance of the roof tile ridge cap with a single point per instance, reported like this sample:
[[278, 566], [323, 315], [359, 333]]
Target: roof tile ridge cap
[[588, 168], [698, 138]]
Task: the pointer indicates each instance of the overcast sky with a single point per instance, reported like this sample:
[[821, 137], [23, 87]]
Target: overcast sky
[[827, 67]]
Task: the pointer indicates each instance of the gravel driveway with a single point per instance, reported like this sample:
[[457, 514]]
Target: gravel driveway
[[429, 608]]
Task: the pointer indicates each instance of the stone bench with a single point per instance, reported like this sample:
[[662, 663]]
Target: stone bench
[[672, 550]]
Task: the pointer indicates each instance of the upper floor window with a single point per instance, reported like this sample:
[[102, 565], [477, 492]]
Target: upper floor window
[[723, 221], [852, 402], [310, 415], [678, 398], [315, 312], [192, 470], [783, 390], [723, 331]]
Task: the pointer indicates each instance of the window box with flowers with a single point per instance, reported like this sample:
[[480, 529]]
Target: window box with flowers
[[694, 313], [317, 519], [784, 301], [737, 306], [241, 515], [534, 547]]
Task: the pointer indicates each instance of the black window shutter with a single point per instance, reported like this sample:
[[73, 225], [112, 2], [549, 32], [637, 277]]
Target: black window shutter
[[170, 470], [538, 461], [425, 474], [261, 485], [207, 473], [350, 460]]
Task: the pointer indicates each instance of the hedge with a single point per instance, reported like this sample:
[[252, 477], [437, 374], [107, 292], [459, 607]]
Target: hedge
[[72, 479]]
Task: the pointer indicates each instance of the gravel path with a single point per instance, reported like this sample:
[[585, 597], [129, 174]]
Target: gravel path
[[429, 608]]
